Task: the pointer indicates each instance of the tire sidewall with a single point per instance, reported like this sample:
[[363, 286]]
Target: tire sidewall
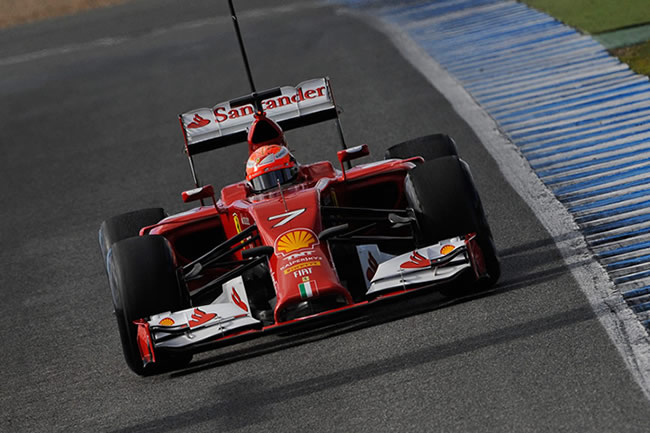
[[143, 281]]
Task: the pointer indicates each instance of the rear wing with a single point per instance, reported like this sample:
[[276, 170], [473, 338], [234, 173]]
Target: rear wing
[[227, 123]]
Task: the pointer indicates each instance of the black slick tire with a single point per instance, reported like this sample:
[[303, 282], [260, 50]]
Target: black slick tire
[[428, 147], [143, 280], [126, 225], [447, 204]]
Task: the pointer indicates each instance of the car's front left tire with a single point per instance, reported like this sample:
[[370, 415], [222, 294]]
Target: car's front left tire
[[143, 279]]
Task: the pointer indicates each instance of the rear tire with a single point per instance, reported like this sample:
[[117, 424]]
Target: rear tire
[[447, 204], [143, 280], [126, 225], [428, 147]]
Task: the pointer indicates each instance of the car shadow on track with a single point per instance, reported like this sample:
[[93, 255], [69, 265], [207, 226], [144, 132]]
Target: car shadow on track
[[248, 401], [519, 272], [534, 263], [384, 312]]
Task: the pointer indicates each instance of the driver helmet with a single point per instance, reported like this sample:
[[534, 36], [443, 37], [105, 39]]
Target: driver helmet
[[269, 165]]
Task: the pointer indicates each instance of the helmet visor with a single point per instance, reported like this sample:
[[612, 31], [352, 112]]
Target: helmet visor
[[269, 180]]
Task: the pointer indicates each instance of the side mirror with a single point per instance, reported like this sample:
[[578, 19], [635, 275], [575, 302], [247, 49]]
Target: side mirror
[[206, 191], [353, 153], [346, 155]]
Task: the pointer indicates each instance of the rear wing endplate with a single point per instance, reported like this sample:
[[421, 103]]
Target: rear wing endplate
[[227, 123]]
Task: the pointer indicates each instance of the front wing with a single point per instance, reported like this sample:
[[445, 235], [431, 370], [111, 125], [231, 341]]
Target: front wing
[[229, 315]]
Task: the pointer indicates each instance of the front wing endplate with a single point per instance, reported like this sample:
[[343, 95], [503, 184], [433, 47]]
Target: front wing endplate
[[435, 263]]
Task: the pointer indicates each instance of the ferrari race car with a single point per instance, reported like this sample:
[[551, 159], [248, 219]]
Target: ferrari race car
[[292, 242]]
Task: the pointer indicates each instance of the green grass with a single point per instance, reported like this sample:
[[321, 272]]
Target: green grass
[[599, 16], [596, 16], [637, 56]]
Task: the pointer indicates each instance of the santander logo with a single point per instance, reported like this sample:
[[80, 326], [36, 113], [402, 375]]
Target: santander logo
[[222, 114], [198, 122], [238, 301], [372, 267], [199, 317], [416, 261]]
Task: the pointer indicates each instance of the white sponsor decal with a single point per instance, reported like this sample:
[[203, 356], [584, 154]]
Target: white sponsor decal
[[288, 216], [296, 255], [309, 261], [302, 272]]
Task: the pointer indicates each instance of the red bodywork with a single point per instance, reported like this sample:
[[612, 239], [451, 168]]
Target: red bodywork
[[288, 220], [253, 262]]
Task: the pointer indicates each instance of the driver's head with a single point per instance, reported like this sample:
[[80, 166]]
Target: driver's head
[[270, 165]]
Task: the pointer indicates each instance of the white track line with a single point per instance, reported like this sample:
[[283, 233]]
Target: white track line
[[260, 13]]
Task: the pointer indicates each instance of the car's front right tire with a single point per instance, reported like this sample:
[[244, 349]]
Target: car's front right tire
[[428, 147], [126, 225], [446, 204]]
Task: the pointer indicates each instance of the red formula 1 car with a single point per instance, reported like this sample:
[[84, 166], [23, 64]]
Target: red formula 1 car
[[291, 242]]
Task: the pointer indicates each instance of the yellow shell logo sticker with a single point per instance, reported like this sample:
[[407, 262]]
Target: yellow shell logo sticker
[[167, 321], [295, 240], [447, 249]]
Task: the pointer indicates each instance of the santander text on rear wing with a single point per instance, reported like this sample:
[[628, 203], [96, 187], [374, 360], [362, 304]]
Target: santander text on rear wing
[[227, 123]]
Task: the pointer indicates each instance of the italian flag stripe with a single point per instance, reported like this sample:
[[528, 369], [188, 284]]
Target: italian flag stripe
[[307, 289]]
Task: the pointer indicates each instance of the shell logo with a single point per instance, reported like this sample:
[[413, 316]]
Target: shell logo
[[295, 240], [167, 321], [447, 249]]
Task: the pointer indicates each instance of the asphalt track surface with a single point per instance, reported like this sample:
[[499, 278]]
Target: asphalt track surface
[[89, 130]]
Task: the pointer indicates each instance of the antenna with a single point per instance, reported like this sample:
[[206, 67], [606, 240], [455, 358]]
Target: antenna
[[241, 46]]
